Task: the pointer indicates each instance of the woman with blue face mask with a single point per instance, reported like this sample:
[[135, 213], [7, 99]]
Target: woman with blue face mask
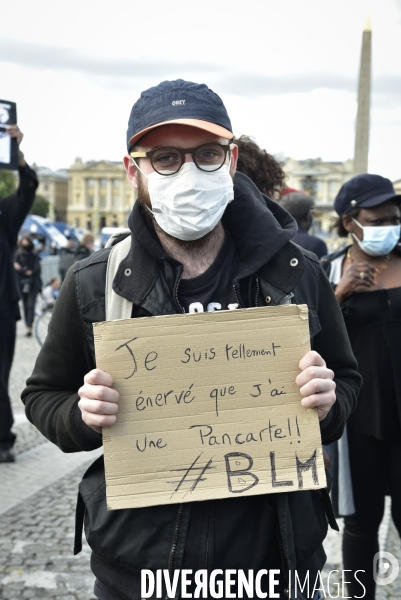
[[366, 276]]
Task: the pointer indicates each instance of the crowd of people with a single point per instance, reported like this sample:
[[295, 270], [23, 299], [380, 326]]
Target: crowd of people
[[215, 225]]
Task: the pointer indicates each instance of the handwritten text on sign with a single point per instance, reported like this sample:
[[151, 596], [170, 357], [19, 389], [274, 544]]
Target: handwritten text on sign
[[208, 407]]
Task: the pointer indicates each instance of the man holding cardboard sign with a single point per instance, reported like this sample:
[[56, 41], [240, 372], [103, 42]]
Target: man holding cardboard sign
[[201, 241]]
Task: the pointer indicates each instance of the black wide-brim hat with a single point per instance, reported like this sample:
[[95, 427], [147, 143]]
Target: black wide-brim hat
[[364, 191]]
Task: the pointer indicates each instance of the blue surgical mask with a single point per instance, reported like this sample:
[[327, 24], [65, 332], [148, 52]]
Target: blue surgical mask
[[378, 241]]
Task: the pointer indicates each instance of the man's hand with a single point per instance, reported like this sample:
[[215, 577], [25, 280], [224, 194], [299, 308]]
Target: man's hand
[[316, 384], [15, 132], [98, 402]]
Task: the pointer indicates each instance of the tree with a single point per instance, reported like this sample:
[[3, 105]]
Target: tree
[[40, 207], [7, 183]]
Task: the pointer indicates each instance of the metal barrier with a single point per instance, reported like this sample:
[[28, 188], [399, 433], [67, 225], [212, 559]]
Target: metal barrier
[[49, 268]]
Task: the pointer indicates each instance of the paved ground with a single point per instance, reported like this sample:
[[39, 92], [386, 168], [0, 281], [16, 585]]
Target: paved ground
[[37, 503], [389, 541]]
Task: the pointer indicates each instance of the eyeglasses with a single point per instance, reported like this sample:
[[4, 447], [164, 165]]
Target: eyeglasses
[[168, 161]]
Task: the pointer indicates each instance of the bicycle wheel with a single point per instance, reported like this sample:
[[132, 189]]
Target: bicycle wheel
[[42, 324]]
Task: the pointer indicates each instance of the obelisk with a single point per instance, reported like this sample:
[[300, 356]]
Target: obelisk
[[363, 112]]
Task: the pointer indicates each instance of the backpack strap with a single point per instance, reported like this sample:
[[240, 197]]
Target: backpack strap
[[117, 307]]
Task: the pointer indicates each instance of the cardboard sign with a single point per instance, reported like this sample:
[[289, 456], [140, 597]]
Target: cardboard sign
[[8, 145], [208, 407]]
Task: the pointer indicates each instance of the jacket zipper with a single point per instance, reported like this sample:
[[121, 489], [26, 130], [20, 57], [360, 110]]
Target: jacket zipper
[[175, 543], [236, 296], [257, 292], [176, 295], [256, 295]]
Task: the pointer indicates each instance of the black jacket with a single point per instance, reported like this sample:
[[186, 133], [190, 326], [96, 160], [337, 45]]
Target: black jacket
[[310, 242], [271, 269], [13, 211], [29, 261], [82, 252], [69, 256]]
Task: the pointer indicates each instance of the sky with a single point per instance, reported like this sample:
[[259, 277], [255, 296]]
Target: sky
[[287, 71]]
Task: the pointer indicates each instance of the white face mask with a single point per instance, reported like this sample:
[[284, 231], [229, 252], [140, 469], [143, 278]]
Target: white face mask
[[190, 203], [378, 241]]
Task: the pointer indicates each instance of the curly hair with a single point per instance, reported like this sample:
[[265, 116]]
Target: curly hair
[[261, 167]]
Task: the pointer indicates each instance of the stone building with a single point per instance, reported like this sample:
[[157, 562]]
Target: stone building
[[99, 195], [321, 180], [318, 178], [53, 187]]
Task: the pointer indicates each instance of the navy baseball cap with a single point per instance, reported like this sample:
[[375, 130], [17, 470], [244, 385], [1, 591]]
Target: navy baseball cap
[[364, 191], [181, 102]]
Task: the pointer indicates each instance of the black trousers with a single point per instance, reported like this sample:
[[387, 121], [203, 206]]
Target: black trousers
[[7, 345], [28, 301], [375, 468]]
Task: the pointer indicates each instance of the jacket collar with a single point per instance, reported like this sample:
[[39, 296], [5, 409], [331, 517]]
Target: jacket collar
[[261, 230], [260, 227]]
